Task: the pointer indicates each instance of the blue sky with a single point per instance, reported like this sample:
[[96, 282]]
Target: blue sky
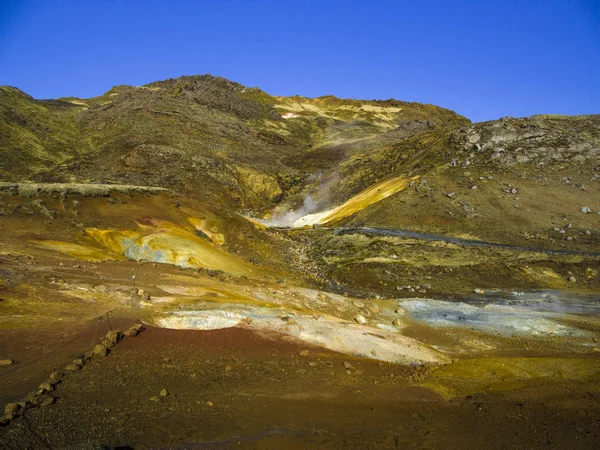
[[484, 59]]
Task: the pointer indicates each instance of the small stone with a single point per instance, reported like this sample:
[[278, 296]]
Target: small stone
[[45, 387], [304, 353], [156, 398], [100, 350], [164, 393], [586, 210], [113, 337], [373, 308], [348, 365], [478, 291], [209, 403], [57, 376], [30, 397], [11, 409], [572, 279], [474, 188], [360, 319], [134, 330], [6, 362], [79, 362], [358, 304], [397, 323], [48, 401], [513, 191], [451, 195], [312, 364], [72, 367]]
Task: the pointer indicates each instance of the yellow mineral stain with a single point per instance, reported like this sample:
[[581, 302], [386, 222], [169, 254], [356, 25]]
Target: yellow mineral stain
[[369, 196], [212, 233], [84, 252], [164, 242]]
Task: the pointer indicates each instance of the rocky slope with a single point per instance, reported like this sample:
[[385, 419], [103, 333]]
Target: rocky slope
[[239, 154]]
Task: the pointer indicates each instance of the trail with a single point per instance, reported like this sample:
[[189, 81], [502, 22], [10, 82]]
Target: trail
[[456, 240]]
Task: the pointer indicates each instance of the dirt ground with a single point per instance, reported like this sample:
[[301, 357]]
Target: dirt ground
[[232, 388]]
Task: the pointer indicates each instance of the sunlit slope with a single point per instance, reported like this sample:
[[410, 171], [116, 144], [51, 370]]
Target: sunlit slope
[[358, 202]]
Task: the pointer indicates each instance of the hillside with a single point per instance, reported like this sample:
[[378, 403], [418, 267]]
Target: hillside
[[341, 252]]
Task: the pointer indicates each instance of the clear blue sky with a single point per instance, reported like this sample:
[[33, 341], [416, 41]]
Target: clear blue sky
[[483, 58]]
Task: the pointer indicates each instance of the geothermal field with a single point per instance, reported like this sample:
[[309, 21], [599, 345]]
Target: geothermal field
[[194, 263]]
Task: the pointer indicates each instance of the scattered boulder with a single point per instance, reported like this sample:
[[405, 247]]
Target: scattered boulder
[[164, 393], [586, 210]]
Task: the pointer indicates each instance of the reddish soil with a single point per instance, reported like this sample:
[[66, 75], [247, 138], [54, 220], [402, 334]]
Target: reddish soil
[[265, 394]]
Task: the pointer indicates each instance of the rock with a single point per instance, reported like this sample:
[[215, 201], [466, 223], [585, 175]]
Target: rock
[[358, 304], [348, 365], [6, 362], [30, 398], [11, 409], [312, 364], [586, 210], [373, 308], [397, 323], [209, 403], [134, 330], [113, 337], [156, 398], [478, 291], [304, 353], [48, 401], [164, 393], [360, 319], [144, 295], [72, 367], [451, 195], [100, 350], [473, 188], [572, 279], [57, 376], [45, 387]]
